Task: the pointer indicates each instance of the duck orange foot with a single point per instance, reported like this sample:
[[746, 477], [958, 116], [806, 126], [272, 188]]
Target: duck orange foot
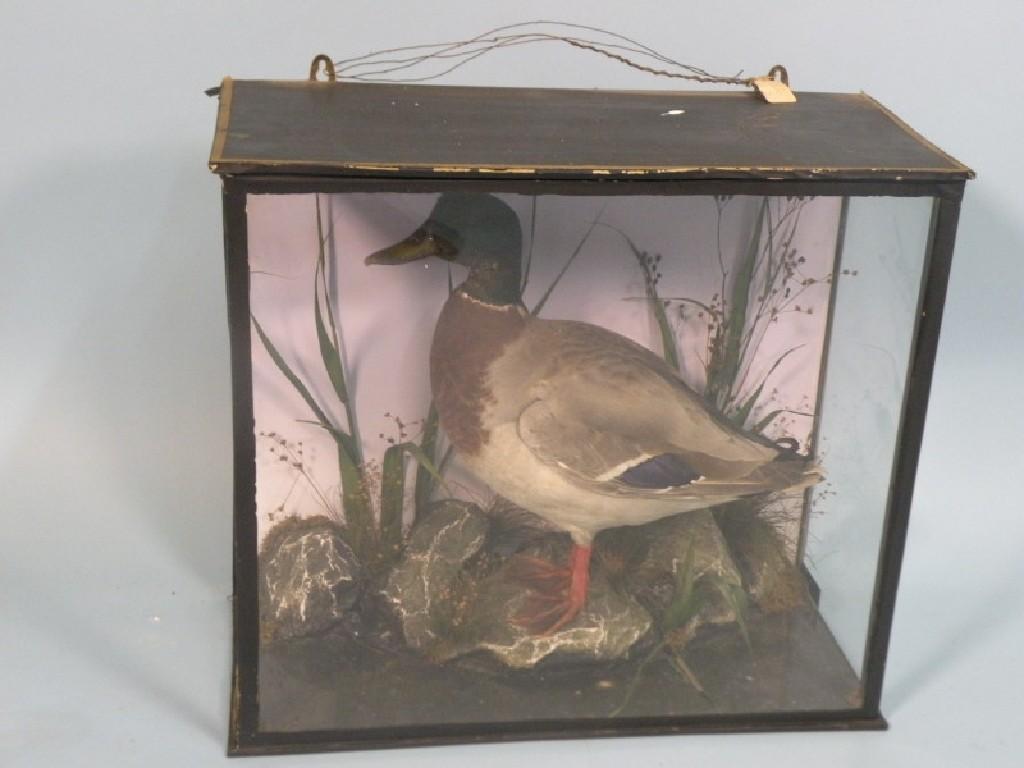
[[557, 593]]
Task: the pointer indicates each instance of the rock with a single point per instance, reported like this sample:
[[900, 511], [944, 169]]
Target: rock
[[773, 581], [455, 590], [608, 626], [425, 587], [309, 578], [671, 543], [455, 593]]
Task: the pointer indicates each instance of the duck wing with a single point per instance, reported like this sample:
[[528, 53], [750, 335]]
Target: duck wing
[[613, 415]]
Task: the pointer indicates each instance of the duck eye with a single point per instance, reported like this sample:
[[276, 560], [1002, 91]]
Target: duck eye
[[443, 249], [444, 243]]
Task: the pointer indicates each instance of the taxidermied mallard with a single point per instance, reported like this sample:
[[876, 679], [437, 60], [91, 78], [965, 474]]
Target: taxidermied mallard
[[573, 422]]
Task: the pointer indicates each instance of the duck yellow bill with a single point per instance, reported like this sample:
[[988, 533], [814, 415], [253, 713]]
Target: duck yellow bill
[[421, 244]]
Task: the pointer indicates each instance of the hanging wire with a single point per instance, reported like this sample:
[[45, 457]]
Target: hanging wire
[[388, 65]]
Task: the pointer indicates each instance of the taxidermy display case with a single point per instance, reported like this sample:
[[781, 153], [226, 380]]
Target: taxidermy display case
[[570, 413]]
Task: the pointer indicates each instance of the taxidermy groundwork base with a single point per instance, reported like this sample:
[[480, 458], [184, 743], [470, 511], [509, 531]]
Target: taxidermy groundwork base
[[693, 615]]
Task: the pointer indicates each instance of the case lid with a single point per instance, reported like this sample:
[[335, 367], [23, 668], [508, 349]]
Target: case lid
[[367, 129]]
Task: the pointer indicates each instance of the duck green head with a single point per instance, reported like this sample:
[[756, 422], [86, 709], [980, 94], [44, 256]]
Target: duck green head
[[476, 230]]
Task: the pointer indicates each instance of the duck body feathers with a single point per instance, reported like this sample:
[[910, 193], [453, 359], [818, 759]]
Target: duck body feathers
[[585, 427]]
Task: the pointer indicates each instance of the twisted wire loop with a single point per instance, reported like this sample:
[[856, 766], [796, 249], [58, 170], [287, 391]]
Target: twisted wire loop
[[395, 65]]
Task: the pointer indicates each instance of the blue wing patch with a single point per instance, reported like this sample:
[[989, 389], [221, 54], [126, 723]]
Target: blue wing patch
[[669, 470]]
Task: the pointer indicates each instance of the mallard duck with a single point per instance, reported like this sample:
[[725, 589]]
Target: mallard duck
[[571, 421]]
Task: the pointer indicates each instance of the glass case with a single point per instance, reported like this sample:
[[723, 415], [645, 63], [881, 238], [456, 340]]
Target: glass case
[[565, 446]]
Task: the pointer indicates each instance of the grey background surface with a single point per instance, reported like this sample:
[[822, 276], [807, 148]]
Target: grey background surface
[[114, 400]]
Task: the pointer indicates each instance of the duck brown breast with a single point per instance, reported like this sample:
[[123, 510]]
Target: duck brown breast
[[469, 336]]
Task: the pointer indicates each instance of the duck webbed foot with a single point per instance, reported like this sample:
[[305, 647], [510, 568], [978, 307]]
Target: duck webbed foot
[[557, 593]]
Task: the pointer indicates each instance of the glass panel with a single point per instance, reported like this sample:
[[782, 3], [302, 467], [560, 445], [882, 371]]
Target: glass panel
[[875, 306], [555, 457]]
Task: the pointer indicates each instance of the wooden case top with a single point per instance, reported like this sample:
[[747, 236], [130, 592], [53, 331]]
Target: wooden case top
[[385, 130]]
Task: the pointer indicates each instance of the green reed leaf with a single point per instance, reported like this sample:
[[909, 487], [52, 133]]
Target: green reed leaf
[[762, 425], [359, 525], [737, 600], [289, 374], [355, 501], [426, 462], [529, 253], [657, 305], [330, 345], [340, 436], [428, 445], [328, 352], [747, 406], [392, 496], [684, 605], [565, 267], [724, 372]]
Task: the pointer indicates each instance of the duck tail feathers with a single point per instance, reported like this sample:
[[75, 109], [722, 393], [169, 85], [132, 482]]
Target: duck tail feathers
[[786, 474]]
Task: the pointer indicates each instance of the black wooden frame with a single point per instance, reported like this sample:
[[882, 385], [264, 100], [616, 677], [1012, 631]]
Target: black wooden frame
[[245, 738]]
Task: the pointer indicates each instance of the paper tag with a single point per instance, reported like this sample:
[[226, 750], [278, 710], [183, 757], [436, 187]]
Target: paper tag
[[774, 91]]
